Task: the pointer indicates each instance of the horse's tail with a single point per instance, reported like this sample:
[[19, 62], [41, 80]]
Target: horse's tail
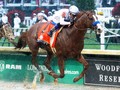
[[22, 41]]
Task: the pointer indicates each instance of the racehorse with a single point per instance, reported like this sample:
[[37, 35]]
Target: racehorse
[[69, 44], [6, 31]]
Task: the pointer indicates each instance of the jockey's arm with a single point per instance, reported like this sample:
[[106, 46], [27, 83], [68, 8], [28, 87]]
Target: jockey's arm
[[63, 22]]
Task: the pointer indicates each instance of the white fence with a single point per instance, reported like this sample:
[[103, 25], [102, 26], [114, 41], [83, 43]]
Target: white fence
[[28, 21], [112, 32], [107, 11]]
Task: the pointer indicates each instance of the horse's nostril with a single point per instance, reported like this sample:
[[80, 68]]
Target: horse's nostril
[[98, 29]]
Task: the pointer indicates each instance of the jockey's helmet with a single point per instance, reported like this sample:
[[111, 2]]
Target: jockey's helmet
[[73, 9]]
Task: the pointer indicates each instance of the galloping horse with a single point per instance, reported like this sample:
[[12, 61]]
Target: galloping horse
[[69, 43], [6, 31]]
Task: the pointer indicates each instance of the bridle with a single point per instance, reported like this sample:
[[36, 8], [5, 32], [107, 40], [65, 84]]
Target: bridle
[[94, 24], [3, 29]]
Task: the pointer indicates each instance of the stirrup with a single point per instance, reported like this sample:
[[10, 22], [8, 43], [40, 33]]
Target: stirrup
[[41, 41]]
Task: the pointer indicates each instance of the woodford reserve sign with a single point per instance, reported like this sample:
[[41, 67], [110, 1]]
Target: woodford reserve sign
[[103, 71]]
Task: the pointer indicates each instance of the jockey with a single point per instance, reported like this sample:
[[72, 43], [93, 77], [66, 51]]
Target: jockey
[[68, 16]]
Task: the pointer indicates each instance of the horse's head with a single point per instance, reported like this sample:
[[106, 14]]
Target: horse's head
[[6, 30], [88, 19], [94, 22]]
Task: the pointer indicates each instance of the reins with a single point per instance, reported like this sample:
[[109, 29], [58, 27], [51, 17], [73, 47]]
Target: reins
[[79, 18], [78, 28]]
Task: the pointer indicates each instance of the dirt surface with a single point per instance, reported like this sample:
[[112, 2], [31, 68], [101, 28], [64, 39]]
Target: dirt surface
[[50, 86]]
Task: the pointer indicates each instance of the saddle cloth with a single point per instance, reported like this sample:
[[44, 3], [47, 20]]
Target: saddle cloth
[[43, 34]]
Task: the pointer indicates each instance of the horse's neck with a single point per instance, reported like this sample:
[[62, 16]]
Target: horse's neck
[[75, 33], [1, 35]]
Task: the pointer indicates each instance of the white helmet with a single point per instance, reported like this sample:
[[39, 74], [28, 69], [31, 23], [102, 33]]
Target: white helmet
[[73, 9]]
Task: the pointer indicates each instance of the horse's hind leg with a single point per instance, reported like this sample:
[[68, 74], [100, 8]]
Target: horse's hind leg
[[48, 61], [85, 63]]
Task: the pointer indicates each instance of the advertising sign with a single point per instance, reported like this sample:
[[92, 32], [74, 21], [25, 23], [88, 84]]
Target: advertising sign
[[103, 72], [18, 67]]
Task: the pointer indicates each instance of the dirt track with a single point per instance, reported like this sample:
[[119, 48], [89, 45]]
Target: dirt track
[[49, 86]]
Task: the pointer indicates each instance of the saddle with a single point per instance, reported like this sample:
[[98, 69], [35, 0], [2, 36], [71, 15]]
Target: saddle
[[43, 34]]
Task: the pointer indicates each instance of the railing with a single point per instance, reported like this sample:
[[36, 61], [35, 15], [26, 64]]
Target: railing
[[104, 39], [106, 10], [28, 21], [106, 35]]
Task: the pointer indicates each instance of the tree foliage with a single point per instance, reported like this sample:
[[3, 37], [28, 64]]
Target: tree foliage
[[116, 10], [83, 4]]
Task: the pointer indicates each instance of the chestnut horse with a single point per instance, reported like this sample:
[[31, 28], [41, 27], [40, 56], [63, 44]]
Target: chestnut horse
[[6, 32], [69, 44]]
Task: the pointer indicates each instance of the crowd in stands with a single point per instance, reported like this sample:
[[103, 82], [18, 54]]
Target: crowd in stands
[[3, 16], [4, 19], [42, 16], [105, 3]]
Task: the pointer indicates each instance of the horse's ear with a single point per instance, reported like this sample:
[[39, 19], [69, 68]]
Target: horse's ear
[[90, 14]]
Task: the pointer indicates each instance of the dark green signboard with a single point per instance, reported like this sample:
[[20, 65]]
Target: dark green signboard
[[106, 71], [18, 67]]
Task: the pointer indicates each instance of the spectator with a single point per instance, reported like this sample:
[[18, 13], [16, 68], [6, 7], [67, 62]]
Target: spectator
[[41, 17], [53, 11], [116, 23], [0, 20], [98, 3], [1, 9], [102, 19], [4, 18], [108, 3], [17, 22], [119, 23], [45, 16], [100, 16], [50, 16], [34, 19]]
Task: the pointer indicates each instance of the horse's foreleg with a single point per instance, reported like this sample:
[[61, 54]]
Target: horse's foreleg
[[61, 67], [52, 73], [85, 63], [34, 62]]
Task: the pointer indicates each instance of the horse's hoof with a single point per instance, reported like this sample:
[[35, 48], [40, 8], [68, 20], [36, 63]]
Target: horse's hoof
[[75, 79], [56, 81], [49, 73], [42, 80], [34, 86]]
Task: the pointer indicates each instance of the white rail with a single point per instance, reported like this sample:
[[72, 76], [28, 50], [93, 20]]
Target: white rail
[[106, 11], [111, 33]]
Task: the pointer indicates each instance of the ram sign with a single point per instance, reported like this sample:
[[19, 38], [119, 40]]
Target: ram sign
[[18, 67]]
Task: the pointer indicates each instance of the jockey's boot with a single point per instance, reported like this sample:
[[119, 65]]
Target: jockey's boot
[[50, 33], [41, 41]]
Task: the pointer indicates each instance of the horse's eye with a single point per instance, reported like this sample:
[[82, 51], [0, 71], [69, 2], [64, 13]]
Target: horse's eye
[[91, 19]]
